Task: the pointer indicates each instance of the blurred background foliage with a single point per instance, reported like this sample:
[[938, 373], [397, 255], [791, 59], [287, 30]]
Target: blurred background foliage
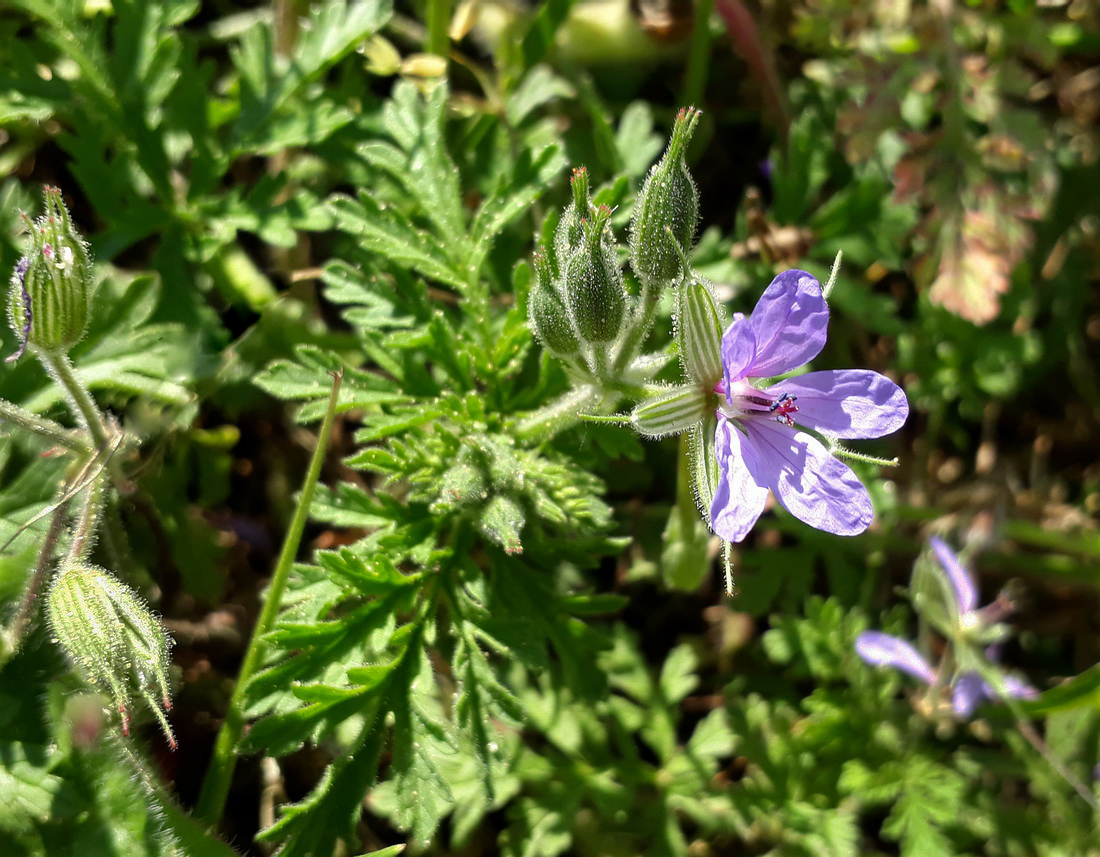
[[514, 644]]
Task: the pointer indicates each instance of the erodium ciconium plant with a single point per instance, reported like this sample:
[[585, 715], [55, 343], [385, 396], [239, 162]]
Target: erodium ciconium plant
[[945, 593], [753, 431]]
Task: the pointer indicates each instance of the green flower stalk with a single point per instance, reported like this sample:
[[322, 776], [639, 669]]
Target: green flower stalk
[[113, 638], [50, 295]]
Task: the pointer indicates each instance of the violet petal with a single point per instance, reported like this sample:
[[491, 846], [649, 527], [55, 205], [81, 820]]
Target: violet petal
[[887, 650], [966, 594], [1016, 688], [847, 402], [812, 485], [966, 693], [738, 350], [789, 324], [738, 500]]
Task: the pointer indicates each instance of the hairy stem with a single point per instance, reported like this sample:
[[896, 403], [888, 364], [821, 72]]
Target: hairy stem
[[84, 406], [215, 787], [55, 432], [13, 636]]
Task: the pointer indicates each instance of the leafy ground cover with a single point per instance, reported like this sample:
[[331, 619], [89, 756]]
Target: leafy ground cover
[[360, 475]]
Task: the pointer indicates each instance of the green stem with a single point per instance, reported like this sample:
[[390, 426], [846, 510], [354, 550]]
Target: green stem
[[439, 20], [558, 415], [84, 406], [215, 788], [35, 424], [698, 65], [12, 638], [643, 320]]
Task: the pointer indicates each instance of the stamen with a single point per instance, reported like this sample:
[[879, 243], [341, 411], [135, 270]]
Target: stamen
[[784, 407]]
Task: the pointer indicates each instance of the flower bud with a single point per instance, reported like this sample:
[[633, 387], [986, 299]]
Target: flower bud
[[462, 484], [667, 210], [570, 232], [501, 521], [699, 333], [113, 638], [594, 289], [51, 287], [671, 412], [548, 315]]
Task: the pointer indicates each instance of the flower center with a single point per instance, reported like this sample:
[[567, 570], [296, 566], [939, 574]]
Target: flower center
[[741, 399]]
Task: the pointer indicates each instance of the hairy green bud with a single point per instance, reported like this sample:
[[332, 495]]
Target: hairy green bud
[[501, 521], [570, 232], [594, 289], [51, 288], [113, 638], [667, 210], [699, 332], [547, 312]]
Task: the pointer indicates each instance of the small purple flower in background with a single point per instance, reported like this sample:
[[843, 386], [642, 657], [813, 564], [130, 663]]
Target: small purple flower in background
[[968, 688], [759, 442]]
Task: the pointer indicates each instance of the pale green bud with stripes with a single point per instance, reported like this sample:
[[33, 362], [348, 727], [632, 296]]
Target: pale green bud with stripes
[[50, 296], [704, 463], [671, 412], [699, 326], [113, 638]]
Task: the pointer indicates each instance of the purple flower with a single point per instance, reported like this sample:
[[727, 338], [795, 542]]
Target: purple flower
[[968, 688], [759, 442]]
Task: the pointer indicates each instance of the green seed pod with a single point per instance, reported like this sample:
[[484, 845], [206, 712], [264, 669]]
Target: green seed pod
[[51, 288], [113, 638], [699, 332], [668, 201], [547, 313], [670, 412], [594, 289], [570, 232]]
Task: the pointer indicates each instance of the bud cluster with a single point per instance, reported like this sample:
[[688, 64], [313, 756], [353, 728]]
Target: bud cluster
[[50, 294], [579, 306], [113, 638]]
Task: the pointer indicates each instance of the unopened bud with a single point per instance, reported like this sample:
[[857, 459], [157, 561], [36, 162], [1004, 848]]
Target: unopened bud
[[570, 232], [667, 210], [594, 289], [670, 412], [462, 484], [51, 288], [699, 333], [501, 521], [113, 638], [548, 314]]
